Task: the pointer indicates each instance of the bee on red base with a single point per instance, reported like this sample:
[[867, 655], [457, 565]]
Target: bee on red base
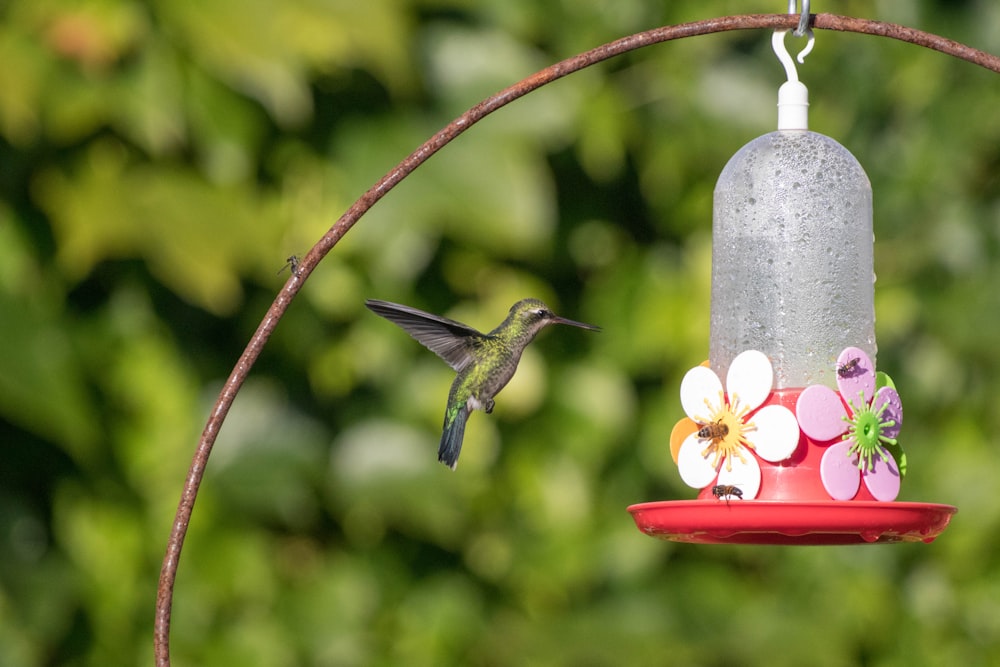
[[727, 491]]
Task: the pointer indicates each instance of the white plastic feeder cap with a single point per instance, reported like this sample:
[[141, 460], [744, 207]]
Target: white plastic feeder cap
[[793, 96], [793, 106]]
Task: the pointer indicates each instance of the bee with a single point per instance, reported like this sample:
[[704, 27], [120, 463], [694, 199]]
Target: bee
[[713, 430], [291, 263], [848, 369], [727, 491]]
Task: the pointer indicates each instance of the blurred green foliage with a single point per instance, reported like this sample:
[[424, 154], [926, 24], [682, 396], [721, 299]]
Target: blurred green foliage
[[161, 159]]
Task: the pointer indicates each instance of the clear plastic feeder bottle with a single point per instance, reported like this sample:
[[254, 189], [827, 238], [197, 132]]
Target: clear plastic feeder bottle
[[792, 272]]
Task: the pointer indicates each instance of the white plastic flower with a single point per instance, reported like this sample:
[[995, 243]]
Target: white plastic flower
[[730, 431]]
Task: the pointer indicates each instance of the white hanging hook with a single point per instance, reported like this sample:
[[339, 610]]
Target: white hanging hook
[[784, 57], [803, 30], [793, 97]]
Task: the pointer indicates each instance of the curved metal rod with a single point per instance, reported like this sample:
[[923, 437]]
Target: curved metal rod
[[168, 571]]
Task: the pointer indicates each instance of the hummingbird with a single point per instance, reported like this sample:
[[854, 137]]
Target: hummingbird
[[485, 362]]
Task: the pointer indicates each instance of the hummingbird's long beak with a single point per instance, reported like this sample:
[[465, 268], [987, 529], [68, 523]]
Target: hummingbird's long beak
[[573, 323]]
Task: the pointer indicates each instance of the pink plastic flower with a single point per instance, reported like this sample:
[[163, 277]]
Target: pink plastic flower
[[726, 429], [866, 426]]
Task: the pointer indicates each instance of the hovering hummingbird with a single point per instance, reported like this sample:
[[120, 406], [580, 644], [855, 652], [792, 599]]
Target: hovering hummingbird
[[485, 362]]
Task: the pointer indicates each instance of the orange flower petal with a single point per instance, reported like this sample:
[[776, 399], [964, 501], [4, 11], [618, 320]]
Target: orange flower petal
[[682, 430]]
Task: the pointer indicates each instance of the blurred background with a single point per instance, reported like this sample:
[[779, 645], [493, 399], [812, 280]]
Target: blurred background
[[160, 160]]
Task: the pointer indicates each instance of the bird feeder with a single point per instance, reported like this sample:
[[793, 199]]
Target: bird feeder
[[791, 434]]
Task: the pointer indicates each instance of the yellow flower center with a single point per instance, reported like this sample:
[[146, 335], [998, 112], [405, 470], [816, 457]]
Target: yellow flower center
[[724, 430]]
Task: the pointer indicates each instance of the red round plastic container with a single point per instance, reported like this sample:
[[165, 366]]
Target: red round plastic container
[[792, 507]]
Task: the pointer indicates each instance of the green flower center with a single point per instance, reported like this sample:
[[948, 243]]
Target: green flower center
[[865, 431]]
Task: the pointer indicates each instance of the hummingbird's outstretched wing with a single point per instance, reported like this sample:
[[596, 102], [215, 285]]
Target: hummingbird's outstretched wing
[[450, 340]]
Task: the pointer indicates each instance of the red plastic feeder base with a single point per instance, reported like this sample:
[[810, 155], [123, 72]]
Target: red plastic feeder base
[[781, 522], [792, 507]]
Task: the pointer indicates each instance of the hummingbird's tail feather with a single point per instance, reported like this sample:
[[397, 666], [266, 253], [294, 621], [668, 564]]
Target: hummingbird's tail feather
[[451, 439]]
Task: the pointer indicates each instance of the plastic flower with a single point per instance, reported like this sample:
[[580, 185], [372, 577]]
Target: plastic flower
[[867, 425], [726, 429]]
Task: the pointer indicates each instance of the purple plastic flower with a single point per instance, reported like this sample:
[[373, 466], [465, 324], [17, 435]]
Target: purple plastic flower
[[866, 427]]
